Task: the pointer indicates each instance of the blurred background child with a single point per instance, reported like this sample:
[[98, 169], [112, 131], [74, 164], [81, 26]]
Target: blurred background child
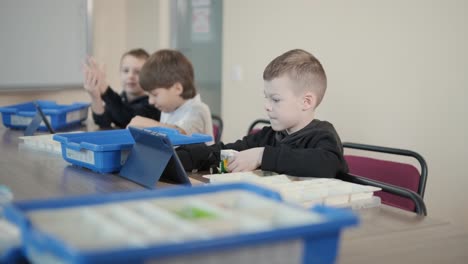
[[110, 108]]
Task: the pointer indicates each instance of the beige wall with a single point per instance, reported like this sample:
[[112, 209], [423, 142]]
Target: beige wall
[[121, 25], [110, 36], [396, 69]]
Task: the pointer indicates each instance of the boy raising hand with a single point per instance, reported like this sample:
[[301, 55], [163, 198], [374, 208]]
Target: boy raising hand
[[113, 109]]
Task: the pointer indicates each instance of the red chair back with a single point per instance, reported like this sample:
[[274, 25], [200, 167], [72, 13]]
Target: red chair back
[[254, 128], [218, 126], [216, 133], [395, 173]]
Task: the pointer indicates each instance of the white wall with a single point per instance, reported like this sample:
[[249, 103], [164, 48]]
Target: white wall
[[396, 71]]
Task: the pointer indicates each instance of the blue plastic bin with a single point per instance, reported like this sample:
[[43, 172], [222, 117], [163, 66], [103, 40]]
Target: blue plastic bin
[[19, 116], [301, 243], [14, 256], [107, 151]]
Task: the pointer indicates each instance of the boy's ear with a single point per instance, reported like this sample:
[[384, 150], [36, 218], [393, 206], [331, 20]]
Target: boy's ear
[[309, 101], [178, 88]]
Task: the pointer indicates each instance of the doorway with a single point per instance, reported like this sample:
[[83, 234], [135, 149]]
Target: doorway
[[196, 31]]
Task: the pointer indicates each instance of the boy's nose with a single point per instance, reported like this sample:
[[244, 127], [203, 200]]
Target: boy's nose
[[267, 107]]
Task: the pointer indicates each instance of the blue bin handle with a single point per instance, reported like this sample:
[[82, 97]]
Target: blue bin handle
[[27, 113], [74, 146]]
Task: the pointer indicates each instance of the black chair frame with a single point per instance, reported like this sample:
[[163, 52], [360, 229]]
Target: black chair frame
[[396, 151], [420, 206], [256, 122]]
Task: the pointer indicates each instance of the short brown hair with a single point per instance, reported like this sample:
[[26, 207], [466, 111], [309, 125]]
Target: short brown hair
[[164, 68], [137, 53], [302, 67]]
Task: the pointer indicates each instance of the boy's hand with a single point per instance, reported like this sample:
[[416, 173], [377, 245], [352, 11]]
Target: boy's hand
[[247, 160], [95, 78], [90, 82], [139, 121]]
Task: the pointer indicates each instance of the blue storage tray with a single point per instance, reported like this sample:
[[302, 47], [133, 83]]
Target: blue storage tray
[[14, 255], [177, 138], [318, 242], [19, 116], [107, 151]]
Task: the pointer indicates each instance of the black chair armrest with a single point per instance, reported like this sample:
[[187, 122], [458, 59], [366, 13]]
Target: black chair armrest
[[400, 191]]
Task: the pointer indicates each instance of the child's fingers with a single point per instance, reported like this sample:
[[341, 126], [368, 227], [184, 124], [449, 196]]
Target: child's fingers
[[84, 66], [99, 81], [93, 80], [232, 164], [93, 70], [93, 64], [92, 61], [87, 81], [87, 69], [88, 61]]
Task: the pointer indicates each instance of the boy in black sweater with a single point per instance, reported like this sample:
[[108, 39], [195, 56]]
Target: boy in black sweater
[[296, 144], [110, 108]]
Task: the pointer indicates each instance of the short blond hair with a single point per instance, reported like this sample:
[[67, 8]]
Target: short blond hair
[[137, 53], [302, 67]]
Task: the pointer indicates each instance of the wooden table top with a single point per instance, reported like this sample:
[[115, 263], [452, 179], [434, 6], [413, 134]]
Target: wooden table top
[[385, 235]]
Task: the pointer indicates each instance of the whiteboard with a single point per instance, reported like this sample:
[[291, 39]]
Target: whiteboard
[[43, 43]]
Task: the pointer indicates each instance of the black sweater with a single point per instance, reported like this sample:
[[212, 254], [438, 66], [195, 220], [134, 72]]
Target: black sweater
[[119, 111], [314, 151]]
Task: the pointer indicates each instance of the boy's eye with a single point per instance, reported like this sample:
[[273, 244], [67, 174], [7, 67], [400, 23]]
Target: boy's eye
[[271, 98], [276, 100]]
